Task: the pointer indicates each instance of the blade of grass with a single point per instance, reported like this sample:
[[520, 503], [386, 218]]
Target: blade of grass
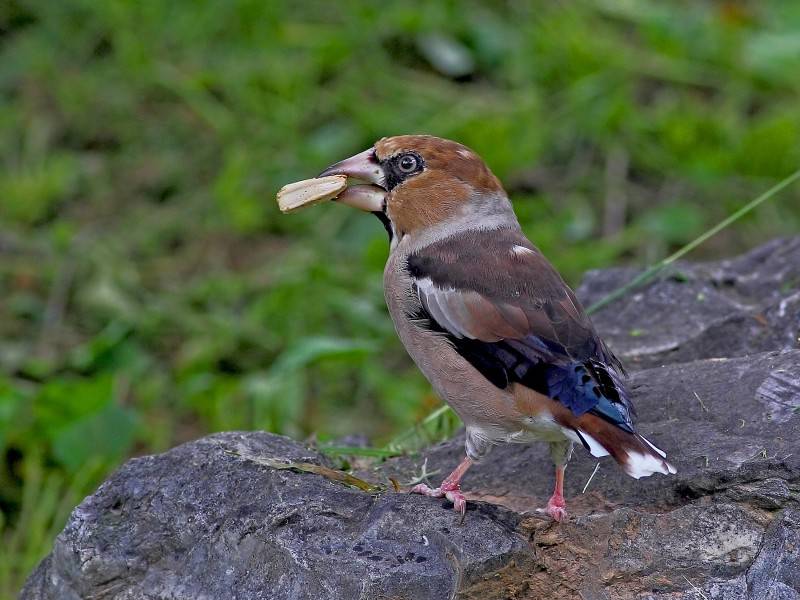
[[653, 270], [399, 442], [48, 498], [359, 451]]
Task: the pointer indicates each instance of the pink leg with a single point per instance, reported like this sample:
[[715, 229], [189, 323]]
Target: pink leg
[[450, 488], [556, 507]]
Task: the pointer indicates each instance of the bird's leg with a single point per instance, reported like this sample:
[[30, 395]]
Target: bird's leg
[[450, 487], [556, 507]]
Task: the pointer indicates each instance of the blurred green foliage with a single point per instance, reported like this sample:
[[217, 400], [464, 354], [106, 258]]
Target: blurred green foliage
[[150, 292]]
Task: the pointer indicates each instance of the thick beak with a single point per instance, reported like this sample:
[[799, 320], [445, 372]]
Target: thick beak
[[363, 166]]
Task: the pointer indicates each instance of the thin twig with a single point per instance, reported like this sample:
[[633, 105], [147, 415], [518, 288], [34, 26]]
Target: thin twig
[[423, 475], [586, 487], [705, 409], [695, 588]]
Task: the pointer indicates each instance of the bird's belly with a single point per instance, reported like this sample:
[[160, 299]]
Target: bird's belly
[[478, 402], [537, 429]]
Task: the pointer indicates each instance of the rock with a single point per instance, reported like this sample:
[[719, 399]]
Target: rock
[[215, 518], [209, 520], [730, 308], [775, 574], [732, 428]]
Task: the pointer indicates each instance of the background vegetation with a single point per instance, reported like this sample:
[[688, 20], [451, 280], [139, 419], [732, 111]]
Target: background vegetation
[[150, 292]]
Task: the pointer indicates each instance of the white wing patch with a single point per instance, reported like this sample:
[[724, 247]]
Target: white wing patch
[[439, 303], [518, 251]]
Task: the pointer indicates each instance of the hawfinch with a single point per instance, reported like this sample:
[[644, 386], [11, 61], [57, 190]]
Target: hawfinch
[[488, 320]]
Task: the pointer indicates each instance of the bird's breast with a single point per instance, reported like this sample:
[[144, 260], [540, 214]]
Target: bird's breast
[[474, 398]]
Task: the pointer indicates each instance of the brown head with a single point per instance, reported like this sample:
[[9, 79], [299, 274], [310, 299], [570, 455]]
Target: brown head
[[421, 181]]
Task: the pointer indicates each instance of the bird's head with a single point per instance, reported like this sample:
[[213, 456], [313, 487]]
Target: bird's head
[[419, 181]]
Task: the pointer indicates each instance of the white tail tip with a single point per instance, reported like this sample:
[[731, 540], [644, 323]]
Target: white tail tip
[[640, 464]]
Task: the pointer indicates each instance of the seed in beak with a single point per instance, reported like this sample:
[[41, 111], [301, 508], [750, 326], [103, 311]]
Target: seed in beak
[[297, 195]]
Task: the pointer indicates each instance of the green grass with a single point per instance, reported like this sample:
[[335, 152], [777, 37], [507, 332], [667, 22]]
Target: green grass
[[150, 292]]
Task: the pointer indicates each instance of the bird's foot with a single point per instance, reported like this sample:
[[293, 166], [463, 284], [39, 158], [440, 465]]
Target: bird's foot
[[451, 492], [556, 508]]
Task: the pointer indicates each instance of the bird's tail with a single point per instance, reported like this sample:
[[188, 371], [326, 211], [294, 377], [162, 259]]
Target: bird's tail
[[636, 455]]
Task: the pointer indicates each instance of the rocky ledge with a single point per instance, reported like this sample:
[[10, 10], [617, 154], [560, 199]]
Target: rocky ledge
[[715, 348]]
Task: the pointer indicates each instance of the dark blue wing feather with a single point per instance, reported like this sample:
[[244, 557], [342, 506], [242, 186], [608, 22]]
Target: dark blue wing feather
[[589, 387]]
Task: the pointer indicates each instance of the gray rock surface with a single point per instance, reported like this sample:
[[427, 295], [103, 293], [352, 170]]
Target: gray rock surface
[[209, 520], [212, 519], [729, 308]]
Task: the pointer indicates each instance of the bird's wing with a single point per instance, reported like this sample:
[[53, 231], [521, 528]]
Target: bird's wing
[[507, 311]]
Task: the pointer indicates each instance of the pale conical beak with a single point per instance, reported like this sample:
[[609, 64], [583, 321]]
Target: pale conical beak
[[363, 166]]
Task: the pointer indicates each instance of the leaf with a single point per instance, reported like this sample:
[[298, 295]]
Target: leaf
[[66, 400], [108, 433], [305, 467], [101, 347], [312, 349]]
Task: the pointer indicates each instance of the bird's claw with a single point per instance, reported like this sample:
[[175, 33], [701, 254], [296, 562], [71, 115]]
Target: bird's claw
[[557, 513], [556, 509], [454, 495], [426, 490]]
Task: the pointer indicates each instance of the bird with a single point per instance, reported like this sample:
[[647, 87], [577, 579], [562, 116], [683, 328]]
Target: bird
[[487, 318]]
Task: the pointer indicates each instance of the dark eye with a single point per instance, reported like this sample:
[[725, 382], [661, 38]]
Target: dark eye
[[408, 163]]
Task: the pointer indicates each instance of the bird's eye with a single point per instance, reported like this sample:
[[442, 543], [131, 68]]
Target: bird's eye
[[408, 163]]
